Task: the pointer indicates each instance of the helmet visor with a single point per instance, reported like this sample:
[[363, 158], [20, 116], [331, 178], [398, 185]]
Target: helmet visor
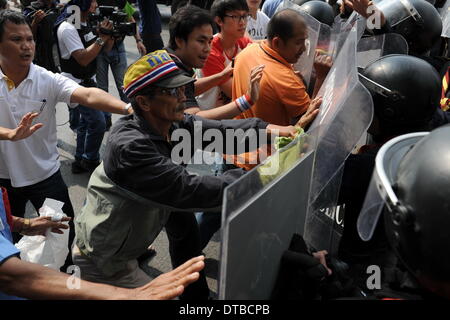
[[380, 192], [398, 11]]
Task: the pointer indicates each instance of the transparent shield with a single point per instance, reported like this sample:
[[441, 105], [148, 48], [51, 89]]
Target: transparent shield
[[445, 14], [315, 34], [372, 48], [344, 117], [341, 31], [260, 214], [380, 192], [397, 11]]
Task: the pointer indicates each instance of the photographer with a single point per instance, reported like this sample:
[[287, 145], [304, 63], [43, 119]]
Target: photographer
[[78, 50], [42, 15], [116, 58]]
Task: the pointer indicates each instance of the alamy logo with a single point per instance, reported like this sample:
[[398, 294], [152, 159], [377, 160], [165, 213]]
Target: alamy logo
[[74, 281], [374, 280], [233, 142]]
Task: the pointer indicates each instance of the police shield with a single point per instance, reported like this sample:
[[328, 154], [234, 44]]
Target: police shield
[[380, 191], [345, 115], [261, 212], [445, 14], [372, 48], [318, 38]]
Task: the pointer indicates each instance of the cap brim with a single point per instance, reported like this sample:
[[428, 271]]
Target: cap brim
[[174, 81]]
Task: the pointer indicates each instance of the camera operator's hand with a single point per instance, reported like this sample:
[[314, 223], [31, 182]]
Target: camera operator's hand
[[105, 26], [37, 17]]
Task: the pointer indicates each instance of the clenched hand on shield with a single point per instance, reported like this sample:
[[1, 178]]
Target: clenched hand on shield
[[322, 64]]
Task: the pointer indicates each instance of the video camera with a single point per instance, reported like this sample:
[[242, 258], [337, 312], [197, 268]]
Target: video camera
[[121, 27]]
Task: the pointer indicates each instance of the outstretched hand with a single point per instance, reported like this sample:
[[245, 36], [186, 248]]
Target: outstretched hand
[[171, 284], [39, 226], [254, 82], [311, 113], [322, 64], [25, 128]]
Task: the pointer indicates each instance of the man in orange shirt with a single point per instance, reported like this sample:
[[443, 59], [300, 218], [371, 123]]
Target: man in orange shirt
[[283, 97]]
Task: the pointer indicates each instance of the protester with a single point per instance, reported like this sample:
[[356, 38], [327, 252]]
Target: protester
[[30, 168], [257, 22], [231, 16], [138, 185]]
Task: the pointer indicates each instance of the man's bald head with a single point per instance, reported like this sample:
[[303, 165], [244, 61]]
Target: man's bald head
[[284, 23]]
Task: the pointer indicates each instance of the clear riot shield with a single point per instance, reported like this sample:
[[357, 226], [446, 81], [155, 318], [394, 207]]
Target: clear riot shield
[[342, 29], [397, 11], [372, 48], [318, 34], [259, 217], [344, 116], [445, 15]]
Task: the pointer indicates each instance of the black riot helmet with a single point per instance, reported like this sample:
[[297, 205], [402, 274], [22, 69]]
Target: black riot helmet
[[405, 91], [320, 10], [418, 21], [301, 2], [411, 182]]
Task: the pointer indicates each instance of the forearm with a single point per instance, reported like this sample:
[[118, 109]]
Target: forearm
[[98, 99], [317, 85], [227, 88], [86, 56], [18, 223], [34, 281], [4, 133], [227, 111], [206, 83]]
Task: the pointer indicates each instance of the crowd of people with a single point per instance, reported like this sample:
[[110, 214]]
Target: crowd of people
[[227, 67]]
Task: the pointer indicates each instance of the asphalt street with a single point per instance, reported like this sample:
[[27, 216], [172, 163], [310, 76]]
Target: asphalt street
[[77, 183]]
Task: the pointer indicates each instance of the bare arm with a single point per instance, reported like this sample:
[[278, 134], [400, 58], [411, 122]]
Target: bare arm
[[206, 83], [87, 55], [227, 87], [231, 109], [34, 281], [98, 99]]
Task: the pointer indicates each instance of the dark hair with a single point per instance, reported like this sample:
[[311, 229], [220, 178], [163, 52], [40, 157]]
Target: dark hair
[[185, 20], [3, 4], [221, 7], [282, 24], [11, 16]]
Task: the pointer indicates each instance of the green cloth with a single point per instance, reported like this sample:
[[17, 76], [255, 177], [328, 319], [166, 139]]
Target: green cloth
[[129, 10], [281, 161]]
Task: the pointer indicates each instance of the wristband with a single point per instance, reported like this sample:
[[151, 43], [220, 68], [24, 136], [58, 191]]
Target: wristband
[[127, 107], [244, 103], [26, 225]]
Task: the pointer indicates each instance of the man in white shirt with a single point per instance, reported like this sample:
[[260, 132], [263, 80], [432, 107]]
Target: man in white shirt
[[30, 168], [78, 50], [257, 22]]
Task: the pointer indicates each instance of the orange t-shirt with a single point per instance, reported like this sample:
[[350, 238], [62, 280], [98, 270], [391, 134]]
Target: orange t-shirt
[[282, 94]]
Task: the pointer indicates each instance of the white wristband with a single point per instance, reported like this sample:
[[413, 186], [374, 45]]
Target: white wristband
[[127, 106]]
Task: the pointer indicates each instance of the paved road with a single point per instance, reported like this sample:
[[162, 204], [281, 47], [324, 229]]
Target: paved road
[[77, 183]]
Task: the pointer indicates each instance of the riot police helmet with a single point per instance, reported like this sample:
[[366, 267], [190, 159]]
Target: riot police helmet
[[405, 92], [320, 10]]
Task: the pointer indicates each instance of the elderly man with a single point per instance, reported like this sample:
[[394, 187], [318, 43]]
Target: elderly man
[[29, 169], [137, 186]]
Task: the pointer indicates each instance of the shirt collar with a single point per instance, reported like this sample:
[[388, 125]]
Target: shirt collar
[[273, 54], [30, 75]]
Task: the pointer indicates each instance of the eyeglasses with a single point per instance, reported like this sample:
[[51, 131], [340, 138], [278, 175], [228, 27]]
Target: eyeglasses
[[175, 92], [244, 18]]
